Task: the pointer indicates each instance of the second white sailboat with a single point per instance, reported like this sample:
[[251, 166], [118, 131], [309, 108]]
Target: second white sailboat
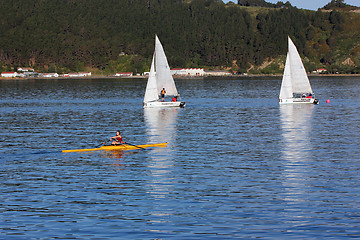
[[160, 79], [295, 86]]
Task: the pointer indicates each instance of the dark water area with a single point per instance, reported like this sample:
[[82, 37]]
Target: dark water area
[[237, 165]]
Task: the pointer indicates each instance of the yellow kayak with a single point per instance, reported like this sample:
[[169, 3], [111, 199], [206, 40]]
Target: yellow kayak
[[118, 147]]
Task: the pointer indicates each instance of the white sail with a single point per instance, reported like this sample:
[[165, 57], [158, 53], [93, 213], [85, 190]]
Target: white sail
[[151, 92], [286, 86], [299, 78], [164, 78]]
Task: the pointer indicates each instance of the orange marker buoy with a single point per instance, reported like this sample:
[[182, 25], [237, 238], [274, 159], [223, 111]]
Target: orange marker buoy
[[328, 101]]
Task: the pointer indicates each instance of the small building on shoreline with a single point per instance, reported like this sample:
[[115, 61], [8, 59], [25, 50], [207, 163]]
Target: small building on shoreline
[[25, 69], [191, 72], [217, 73], [9, 74], [124, 74], [49, 75], [321, 70], [78, 74]]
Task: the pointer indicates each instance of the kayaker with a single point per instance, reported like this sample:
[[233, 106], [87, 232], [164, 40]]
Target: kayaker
[[162, 94], [117, 139]]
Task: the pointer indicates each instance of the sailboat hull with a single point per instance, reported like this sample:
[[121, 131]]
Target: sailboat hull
[[157, 104], [299, 100]]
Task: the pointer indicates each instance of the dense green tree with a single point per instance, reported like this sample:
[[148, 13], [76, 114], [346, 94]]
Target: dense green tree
[[336, 4], [257, 3], [73, 35]]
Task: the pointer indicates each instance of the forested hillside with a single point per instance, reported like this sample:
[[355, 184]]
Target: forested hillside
[[118, 35]]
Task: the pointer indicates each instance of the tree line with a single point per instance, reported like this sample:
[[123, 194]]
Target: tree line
[[118, 35]]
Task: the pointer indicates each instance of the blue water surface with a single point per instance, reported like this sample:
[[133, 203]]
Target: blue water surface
[[237, 165]]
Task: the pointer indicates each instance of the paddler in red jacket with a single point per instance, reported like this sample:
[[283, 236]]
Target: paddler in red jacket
[[117, 139]]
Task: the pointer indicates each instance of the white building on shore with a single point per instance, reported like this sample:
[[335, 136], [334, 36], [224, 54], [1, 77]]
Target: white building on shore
[[123, 74], [78, 74], [191, 72], [217, 73], [196, 72], [49, 75], [9, 74], [25, 69]]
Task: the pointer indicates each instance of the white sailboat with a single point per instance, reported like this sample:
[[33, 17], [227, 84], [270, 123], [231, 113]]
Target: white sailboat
[[160, 78], [295, 86]]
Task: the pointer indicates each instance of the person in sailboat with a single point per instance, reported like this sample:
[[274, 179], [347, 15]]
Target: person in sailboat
[[117, 139], [174, 99], [162, 94]]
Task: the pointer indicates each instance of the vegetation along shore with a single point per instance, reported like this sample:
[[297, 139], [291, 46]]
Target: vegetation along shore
[[106, 37]]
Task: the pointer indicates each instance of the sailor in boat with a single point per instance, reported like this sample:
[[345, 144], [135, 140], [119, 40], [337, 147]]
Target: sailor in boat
[[306, 95], [174, 99], [162, 94], [117, 139]]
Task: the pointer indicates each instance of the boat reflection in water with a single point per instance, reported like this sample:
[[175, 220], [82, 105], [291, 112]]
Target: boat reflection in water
[[161, 127], [296, 124], [117, 156], [161, 124]]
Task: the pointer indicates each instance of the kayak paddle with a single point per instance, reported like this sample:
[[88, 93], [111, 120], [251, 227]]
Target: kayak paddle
[[103, 143]]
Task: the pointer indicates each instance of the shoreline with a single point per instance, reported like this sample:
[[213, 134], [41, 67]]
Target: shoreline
[[178, 77]]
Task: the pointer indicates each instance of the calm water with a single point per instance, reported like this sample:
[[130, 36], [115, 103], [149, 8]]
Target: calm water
[[238, 165]]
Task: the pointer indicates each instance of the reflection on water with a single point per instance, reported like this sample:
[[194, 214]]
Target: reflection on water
[[160, 124], [160, 127], [113, 154], [296, 123]]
